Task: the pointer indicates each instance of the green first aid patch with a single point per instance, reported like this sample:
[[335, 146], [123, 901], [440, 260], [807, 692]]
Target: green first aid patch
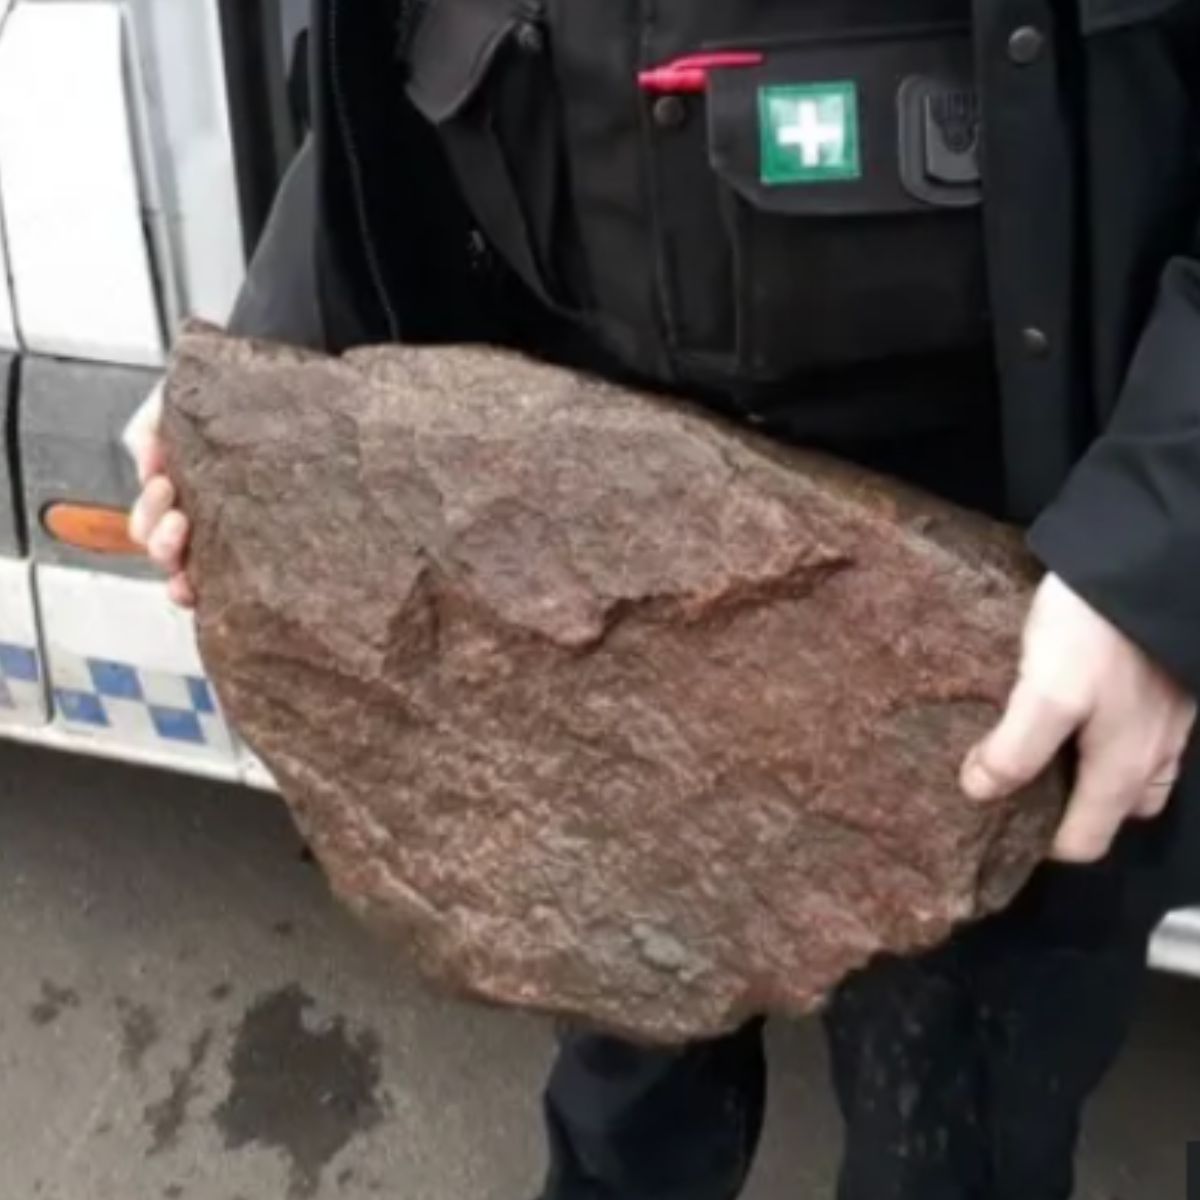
[[810, 133]]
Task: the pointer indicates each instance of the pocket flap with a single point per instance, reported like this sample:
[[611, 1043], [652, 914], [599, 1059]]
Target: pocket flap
[[453, 50], [823, 125]]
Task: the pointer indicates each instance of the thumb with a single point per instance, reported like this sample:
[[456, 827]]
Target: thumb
[[1032, 731], [141, 437]]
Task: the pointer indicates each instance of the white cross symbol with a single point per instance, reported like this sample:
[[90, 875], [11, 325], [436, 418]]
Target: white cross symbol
[[813, 135]]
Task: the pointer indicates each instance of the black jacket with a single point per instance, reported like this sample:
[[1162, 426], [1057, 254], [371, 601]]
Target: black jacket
[[1092, 221], [1093, 235]]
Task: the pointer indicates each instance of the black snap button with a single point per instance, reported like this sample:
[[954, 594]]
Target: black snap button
[[1036, 341], [1026, 45], [670, 112]]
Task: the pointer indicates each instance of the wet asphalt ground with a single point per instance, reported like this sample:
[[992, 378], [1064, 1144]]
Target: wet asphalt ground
[[186, 1015]]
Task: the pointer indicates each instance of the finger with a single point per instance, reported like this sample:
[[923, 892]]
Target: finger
[[151, 458], [1032, 731], [1153, 804], [1158, 795], [181, 591], [157, 499], [1163, 782], [1107, 792], [168, 542], [141, 436]]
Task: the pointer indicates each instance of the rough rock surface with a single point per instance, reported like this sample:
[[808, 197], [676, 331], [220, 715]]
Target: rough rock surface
[[601, 707]]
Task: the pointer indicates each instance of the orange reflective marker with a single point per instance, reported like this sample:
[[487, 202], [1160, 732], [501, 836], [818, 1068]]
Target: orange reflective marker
[[90, 527]]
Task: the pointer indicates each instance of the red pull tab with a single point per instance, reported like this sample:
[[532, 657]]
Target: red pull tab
[[690, 74]]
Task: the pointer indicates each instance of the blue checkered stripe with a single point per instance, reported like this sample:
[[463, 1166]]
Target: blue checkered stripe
[[22, 692], [134, 704]]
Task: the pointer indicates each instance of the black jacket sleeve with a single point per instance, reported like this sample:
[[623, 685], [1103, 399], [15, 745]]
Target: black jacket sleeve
[[1125, 532], [279, 300]]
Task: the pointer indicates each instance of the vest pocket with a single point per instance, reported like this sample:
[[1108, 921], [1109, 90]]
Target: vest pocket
[[841, 207]]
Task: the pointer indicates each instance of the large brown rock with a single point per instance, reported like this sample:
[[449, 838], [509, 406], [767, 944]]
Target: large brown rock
[[601, 707]]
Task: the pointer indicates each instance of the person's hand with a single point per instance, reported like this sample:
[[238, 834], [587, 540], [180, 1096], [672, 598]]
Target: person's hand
[[1081, 678], [155, 520]]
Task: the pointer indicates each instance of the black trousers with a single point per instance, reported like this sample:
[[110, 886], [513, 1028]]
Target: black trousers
[[961, 1075]]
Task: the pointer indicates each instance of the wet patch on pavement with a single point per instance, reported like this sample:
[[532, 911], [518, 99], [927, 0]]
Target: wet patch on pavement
[[166, 1118], [53, 1003], [304, 1088], [140, 1032]]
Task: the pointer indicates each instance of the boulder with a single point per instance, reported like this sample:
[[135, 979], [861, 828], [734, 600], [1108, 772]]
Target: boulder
[[597, 705]]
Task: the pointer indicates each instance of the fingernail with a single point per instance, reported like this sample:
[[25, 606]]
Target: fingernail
[[137, 523], [1070, 853], [976, 781], [163, 548], [181, 591]]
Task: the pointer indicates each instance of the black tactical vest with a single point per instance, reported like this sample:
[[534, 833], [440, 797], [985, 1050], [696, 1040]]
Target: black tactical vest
[[723, 193]]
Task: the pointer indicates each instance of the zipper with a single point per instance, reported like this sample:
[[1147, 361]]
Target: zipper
[[350, 141]]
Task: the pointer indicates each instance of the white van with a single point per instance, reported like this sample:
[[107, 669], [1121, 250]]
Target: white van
[[140, 144]]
